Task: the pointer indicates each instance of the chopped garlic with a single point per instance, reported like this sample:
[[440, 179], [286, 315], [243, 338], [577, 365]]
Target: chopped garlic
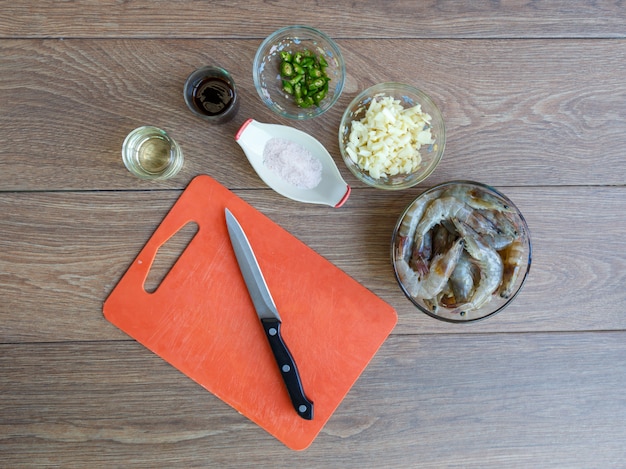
[[387, 141]]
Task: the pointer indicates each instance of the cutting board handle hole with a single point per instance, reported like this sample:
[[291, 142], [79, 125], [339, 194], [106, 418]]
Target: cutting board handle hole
[[167, 255]]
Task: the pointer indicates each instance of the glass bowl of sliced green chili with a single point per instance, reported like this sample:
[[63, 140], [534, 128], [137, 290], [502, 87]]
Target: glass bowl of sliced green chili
[[299, 72]]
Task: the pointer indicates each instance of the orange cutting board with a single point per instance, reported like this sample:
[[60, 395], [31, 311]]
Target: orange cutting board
[[201, 320]]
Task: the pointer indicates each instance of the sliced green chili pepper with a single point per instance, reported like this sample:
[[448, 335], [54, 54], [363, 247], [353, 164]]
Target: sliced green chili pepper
[[296, 79], [319, 96], [287, 87], [315, 84], [286, 69], [297, 90], [304, 77], [315, 72]]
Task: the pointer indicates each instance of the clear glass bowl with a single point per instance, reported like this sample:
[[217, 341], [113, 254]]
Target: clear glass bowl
[[150, 153], [266, 74], [502, 227], [408, 96]]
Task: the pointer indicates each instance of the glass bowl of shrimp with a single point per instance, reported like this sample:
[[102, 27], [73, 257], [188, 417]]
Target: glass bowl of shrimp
[[461, 251]]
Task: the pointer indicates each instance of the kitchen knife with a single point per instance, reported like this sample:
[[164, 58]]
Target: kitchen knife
[[268, 314]]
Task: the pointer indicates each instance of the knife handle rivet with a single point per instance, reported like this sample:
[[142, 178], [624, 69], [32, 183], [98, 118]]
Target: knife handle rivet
[[302, 408], [272, 331], [286, 368]]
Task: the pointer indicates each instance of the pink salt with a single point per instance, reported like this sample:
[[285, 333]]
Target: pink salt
[[292, 163]]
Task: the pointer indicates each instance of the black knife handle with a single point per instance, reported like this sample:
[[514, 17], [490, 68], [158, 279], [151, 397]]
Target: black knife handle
[[288, 369]]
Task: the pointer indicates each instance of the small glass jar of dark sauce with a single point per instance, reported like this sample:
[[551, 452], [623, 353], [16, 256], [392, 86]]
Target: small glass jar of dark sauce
[[210, 93]]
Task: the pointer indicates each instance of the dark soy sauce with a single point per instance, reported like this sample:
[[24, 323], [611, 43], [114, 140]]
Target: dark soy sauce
[[210, 94], [213, 96]]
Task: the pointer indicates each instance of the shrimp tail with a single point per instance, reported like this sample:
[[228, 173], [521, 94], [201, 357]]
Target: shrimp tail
[[512, 259], [421, 254], [408, 277]]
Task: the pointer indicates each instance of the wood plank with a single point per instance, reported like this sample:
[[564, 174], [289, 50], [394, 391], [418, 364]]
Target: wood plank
[[514, 400], [256, 18], [62, 253], [555, 107]]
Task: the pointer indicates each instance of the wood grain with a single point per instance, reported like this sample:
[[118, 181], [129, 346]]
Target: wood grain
[[62, 253], [258, 18], [443, 401], [517, 112]]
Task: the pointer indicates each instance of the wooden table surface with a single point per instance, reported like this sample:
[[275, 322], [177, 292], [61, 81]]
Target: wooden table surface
[[534, 99]]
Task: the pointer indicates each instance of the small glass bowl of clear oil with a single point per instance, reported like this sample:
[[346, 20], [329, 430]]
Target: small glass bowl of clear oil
[[150, 153]]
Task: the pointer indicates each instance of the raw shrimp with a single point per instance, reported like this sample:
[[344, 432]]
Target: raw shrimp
[[440, 270], [499, 241], [448, 208], [421, 254], [463, 279], [408, 277], [406, 230], [442, 239], [429, 285], [478, 198], [507, 226], [512, 258], [433, 304], [490, 264]]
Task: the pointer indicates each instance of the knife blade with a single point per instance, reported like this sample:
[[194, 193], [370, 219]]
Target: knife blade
[[268, 315]]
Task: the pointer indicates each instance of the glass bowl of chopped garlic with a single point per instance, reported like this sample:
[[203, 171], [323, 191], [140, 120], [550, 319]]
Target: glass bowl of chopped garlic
[[392, 136]]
